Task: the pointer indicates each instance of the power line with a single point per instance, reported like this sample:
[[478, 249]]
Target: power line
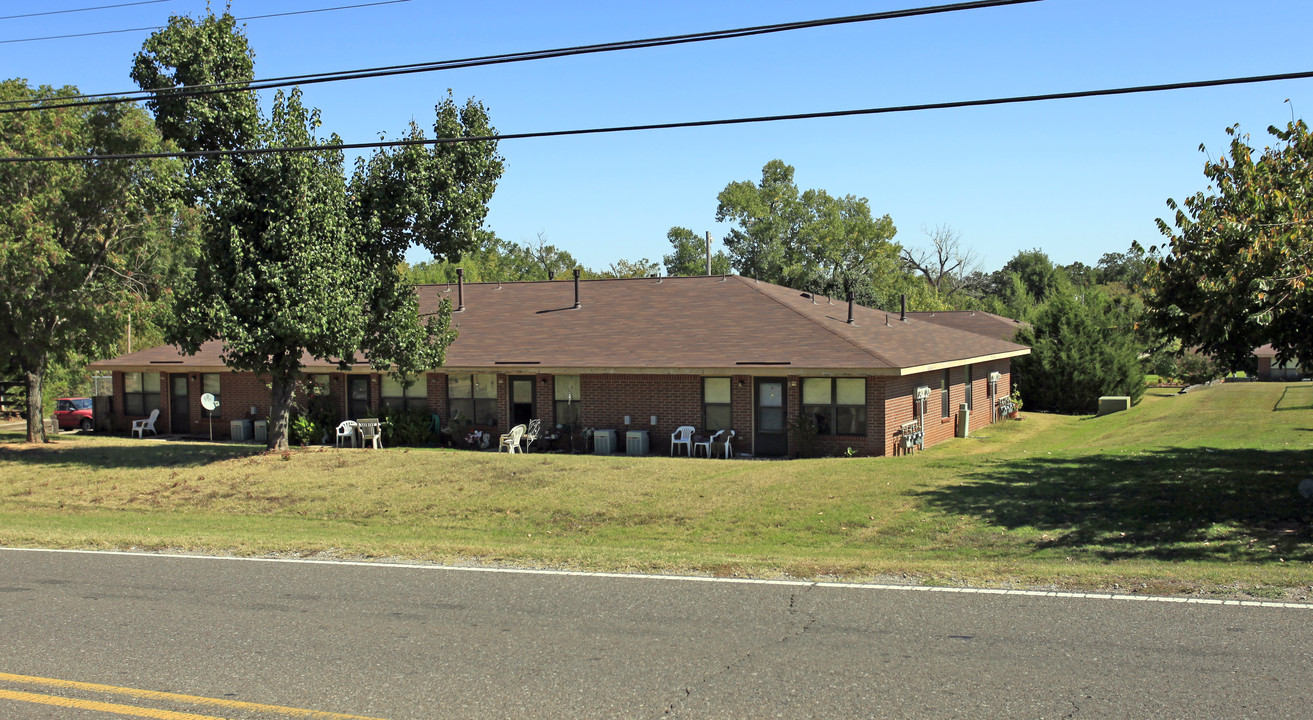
[[161, 27], [85, 9], [437, 65], [688, 124]]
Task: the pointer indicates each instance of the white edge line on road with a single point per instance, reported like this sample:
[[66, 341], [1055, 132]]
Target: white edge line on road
[[693, 578]]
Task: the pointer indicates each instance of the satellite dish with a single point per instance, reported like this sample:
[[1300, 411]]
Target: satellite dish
[[209, 402]]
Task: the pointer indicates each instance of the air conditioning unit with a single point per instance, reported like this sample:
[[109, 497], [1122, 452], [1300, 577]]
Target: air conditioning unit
[[922, 392], [994, 377]]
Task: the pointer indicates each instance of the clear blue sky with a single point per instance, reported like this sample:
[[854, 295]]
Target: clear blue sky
[[1075, 178]]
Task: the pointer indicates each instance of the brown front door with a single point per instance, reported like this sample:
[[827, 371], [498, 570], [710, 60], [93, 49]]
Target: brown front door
[[179, 405], [771, 412]]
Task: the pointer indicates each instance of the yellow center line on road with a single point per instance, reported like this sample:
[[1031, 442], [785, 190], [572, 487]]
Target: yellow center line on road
[[101, 706], [157, 695]]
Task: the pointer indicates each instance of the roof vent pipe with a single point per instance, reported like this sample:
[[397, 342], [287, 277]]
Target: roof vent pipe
[[850, 307], [460, 289], [551, 274], [903, 315], [576, 288]]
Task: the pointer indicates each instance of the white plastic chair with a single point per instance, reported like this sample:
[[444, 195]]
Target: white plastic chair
[[531, 433], [346, 429], [139, 427], [683, 435], [371, 431], [511, 440], [729, 435], [705, 445]]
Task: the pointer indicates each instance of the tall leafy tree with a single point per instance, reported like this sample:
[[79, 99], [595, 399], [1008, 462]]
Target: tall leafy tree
[[82, 244], [296, 262], [197, 53], [1238, 269], [764, 244], [810, 240], [300, 271]]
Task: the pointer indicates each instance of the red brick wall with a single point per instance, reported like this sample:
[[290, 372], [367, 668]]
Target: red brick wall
[[674, 399], [899, 402]]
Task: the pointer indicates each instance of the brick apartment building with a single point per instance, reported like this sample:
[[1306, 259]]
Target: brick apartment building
[[642, 354]]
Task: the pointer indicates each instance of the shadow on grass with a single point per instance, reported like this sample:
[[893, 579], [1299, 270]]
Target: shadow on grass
[[1172, 504], [98, 456], [1295, 397]]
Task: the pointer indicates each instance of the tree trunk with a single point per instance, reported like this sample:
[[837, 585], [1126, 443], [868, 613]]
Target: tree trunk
[[280, 410], [36, 426]]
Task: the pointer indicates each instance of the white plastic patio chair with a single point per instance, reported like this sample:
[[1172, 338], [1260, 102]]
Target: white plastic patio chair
[[729, 435], [683, 435], [511, 440], [346, 430], [705, 445], [139, 427], [371, 431], [531, 433]]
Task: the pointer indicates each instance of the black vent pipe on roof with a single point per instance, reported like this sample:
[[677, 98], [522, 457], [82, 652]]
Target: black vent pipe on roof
[[551, 274], [903, 315], [576, 288], [460, 289], [850, 307]]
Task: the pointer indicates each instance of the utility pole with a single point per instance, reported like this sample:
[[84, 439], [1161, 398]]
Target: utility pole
[[708, 253]]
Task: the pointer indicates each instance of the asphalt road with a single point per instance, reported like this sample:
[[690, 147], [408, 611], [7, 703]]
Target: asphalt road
[[401, 642]]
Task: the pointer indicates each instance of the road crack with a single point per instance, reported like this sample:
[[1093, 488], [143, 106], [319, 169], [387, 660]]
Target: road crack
[[794, 629]]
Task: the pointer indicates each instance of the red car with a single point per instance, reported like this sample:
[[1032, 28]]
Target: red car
[[73, 413]]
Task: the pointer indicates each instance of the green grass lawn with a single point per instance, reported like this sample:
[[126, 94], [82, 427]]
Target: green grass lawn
[[1180, 494]]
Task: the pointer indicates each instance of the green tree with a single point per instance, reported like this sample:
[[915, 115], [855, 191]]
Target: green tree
[[290, 273], [688, 255], [768, 214], [435, 197], [296, 262], [1238, 269], [1126, 268], [810, 240], [191, 53], [1081, 347], [82, 244], [629, 269]]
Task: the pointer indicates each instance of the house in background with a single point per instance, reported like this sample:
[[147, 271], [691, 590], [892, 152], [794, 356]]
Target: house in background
[[1270, 369], [646, 354]]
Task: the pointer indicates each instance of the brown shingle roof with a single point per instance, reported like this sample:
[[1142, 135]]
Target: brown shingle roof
[[974, 321], [672, 323]]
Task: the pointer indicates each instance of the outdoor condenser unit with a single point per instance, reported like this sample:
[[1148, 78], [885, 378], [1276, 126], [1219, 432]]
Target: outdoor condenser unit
[[922, 392]]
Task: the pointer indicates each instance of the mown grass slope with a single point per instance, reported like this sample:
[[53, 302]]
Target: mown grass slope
[[1181, 493]]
